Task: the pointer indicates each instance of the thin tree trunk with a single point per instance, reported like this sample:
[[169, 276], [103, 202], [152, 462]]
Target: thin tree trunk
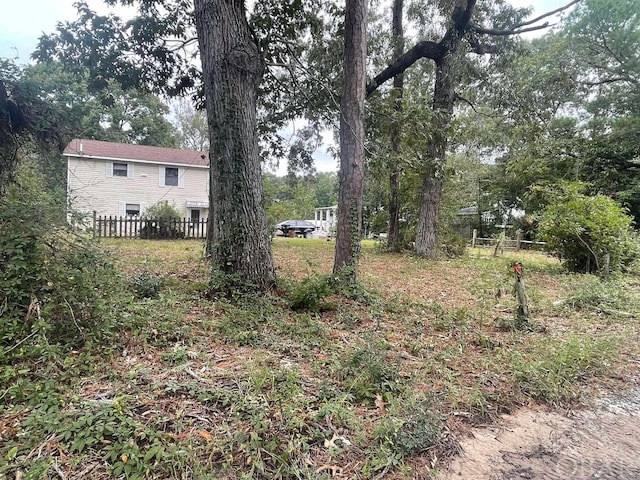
[[395, 243], [238, 241], [352, 140]]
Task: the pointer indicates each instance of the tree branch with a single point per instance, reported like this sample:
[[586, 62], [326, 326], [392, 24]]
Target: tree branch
[[548, 14], [498, 33], [461, 23], [605, 81], [517, 29], [423, 49], [467, 101]]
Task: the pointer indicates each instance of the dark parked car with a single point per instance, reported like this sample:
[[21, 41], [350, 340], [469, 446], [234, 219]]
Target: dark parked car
[[292, 228]]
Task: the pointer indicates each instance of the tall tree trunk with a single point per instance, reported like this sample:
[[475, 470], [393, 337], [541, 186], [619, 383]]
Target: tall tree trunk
[[395, 243], [426, 244], [352, 139], [239, 242], [426, 236]]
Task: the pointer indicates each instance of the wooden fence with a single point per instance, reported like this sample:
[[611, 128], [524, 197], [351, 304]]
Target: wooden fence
[[516, 244], [135, 227]]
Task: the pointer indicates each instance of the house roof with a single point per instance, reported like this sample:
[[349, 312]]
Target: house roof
[[79, 147]]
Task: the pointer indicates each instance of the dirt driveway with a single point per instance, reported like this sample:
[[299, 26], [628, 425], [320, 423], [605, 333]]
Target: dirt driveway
[[600, 443]]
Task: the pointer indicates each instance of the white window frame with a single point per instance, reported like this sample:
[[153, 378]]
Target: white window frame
[[122, 208], [129, 169], [162, 171]]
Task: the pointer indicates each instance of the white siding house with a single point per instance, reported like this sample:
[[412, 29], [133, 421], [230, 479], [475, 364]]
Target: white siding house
[[123, 180]]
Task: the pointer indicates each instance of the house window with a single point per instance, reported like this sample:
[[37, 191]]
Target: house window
[[195, 215], [132, 209], [120, 170], [171, 176]]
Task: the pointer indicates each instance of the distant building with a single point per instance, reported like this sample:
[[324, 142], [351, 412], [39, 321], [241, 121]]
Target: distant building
[[123, 180], [464, 219], [325, 221]]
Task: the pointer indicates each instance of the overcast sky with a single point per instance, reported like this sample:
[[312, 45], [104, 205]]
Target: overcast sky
[[22, 23]]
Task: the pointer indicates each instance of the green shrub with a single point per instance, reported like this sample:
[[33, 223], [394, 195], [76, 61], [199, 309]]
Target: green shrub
[[162, 220], [311, 293], [583, 230], [163, 209], [51, 280], [367, 372], [146, 285], [411, 427]]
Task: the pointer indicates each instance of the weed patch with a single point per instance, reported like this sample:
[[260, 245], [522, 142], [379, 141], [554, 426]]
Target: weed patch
[[368, 371], [411, 426], [553, 371], [590, 292], [146, 285]]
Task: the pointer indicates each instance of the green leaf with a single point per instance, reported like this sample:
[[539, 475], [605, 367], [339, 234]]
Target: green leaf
[[154, 450], [11, 454]]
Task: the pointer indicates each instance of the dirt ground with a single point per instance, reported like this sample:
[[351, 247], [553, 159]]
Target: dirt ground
[[598, 443]]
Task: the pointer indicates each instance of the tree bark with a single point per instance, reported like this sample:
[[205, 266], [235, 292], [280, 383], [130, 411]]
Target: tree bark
[[352, 140], [426, 244], [239, 243], [394, 241]]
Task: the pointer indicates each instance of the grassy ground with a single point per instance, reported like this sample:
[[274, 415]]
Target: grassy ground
[[376, 382]]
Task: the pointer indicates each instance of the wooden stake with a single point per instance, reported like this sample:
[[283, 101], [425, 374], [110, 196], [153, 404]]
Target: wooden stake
[[523, 315]]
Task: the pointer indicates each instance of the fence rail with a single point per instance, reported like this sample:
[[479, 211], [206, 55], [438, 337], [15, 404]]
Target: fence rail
[[507, 243], [161, 228]]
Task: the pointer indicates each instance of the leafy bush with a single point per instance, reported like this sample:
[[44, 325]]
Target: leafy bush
[[163, 209], [162, 221], [146, 285], [128, 447], [310, 293], [584, 230], [51, 280]]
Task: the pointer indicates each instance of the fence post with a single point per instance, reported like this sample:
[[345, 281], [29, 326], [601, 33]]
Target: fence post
[[473, 238], [518, 240], [94, 224], [499, 244]]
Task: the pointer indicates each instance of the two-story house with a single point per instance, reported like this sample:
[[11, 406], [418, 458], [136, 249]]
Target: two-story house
[[123, 180]]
